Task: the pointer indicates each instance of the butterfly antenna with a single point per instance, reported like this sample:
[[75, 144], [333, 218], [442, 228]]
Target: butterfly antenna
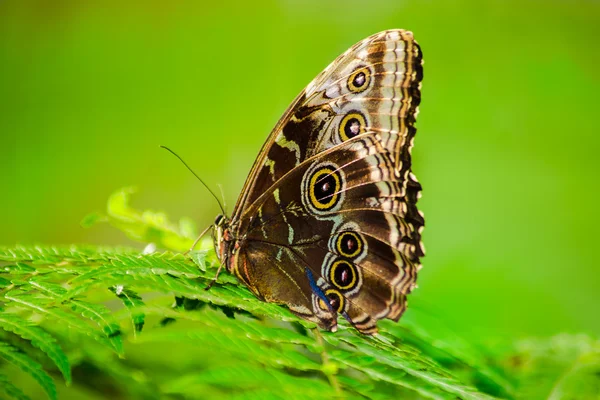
[[222, 195], [196, 175]]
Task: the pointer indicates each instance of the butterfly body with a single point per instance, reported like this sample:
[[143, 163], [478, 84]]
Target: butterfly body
[[327, 222]]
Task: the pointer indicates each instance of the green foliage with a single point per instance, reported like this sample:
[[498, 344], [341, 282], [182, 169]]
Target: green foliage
[[144, 226], [141, 325], [38, 338], [14, 356], [564, 367]]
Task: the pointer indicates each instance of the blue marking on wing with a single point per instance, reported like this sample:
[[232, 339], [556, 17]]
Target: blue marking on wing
[[345, 315], [317, 290]]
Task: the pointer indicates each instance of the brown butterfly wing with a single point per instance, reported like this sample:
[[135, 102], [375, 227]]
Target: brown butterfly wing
[[267, 270], [328, 221], [391, 62], [354, 239]]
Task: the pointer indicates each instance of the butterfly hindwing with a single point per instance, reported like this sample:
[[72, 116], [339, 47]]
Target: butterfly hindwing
[[265, 268], [366, 239], [327, 222]]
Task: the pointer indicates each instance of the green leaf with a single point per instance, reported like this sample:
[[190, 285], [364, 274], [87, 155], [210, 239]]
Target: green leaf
[[59, 315], [450, 350], [241, 325], [92, 219], [57, 298], [102, 316], [370, 366], [40, 339], [410, 362], [148, 226], [152, 264], [562, 367], [249, 380], [52, 255], [133, 302], [199, 258], [11, 390], [29, 366], [95, 312]]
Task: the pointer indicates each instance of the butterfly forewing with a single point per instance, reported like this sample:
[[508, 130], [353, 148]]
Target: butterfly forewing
[[327, 221]]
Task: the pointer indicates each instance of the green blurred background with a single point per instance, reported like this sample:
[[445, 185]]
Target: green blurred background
[[507, 146]]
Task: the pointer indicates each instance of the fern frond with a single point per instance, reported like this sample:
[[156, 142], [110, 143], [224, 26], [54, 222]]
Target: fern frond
[[94, 312], [102, 316], [252, 381], [265, 354], [563, 367], [39, 338], [58, 315], [29, 366], [91, 303], [59, 256], [133, 302], [409, 361], [450, 350], [377, 372], [11, 390], [144, 226]]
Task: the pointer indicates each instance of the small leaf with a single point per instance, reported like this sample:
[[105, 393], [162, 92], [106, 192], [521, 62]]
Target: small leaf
[[249, 379], [413, 364], [4, 283], [11, 390], [133, 302], [40, 339], [29, 366], [147, 226], [199, 258], [56, 314], [188, 228], [562, 367], [92, 219], [19, 268], [102, 316]]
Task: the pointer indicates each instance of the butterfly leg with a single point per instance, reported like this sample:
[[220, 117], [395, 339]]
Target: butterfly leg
[[197, 240], [212, 282]]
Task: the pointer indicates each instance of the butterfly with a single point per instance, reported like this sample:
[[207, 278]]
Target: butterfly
[[327, 222]]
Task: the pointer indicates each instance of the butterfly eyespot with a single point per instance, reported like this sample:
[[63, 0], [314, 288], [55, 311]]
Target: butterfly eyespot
[[353, 124], [343, 275], [349, 244], [324, 185], [359, 80], [336, 300]]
